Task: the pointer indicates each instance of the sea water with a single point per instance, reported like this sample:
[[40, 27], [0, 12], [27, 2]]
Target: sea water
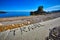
[[14, 14]]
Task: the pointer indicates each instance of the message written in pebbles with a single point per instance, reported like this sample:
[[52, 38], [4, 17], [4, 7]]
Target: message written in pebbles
[[29, 27]]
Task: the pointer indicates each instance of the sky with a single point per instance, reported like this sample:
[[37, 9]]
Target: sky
[[29, 5]]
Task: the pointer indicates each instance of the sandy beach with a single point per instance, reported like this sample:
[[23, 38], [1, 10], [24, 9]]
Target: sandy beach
[[36, 28], [15, 22], [39, 32]]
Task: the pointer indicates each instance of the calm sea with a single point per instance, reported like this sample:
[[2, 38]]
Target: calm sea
[[14, 14]]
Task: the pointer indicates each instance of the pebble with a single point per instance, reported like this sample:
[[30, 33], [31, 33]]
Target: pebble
[[1, 24]]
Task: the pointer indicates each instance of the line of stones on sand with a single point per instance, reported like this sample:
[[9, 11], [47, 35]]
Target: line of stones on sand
[[12, 26], [27, 28]]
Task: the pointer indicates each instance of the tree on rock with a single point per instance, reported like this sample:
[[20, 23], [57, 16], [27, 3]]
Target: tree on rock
[[39, 11]]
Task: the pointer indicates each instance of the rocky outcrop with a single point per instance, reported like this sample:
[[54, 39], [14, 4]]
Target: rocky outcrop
[[39, 11]]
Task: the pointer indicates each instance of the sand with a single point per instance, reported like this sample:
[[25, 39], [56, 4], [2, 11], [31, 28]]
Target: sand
[[39, 33], [37, 30]]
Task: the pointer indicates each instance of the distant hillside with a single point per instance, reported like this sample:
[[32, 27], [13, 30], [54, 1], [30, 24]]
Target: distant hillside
[[55, 11]]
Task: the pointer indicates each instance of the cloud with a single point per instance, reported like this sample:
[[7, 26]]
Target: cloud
[[57, 7]]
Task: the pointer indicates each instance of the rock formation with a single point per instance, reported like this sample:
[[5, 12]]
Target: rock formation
[[39, 11]]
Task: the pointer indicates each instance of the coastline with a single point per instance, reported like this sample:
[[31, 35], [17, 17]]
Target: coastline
[[15, 22], [26, 17]]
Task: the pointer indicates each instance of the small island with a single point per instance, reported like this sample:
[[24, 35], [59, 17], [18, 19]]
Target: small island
[[1, 12]]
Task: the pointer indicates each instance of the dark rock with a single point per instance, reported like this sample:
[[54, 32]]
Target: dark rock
[[54, 33], [39, 11]]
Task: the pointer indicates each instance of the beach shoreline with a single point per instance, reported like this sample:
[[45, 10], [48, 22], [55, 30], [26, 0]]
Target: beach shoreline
[[27, 17], [15, 22]]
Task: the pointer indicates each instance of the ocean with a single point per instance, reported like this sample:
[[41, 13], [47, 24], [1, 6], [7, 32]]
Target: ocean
[[14, 14]]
